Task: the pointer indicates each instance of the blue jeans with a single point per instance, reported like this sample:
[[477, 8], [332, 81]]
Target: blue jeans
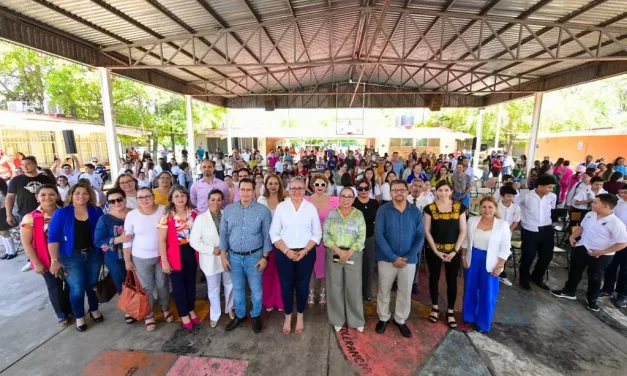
[[59, 295], [243, 269], [481, 291], [116, 268], [465, 201], [83, 270]]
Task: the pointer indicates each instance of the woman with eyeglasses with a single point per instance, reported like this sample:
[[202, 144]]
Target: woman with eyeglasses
[[295, 232], [71, 246], [128, 184], [323, 204], [273, 195], [445, 229], [163, 190], [386, 195], [344, 235], [178, 258], [368, 207], [34, 236], [375, 191], [141, 253], [205, 238], [110, 237]]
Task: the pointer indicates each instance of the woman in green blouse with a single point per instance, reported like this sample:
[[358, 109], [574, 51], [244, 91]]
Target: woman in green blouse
[[344, 235]]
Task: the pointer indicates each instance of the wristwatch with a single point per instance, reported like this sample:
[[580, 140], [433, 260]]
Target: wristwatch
[[265, 257]]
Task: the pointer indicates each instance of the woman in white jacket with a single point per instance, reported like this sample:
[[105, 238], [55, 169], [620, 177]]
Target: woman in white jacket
[[485, 249], [205, 239]]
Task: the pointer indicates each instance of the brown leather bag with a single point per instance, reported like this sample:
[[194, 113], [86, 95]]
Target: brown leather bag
[[105, 287], [134, 299]]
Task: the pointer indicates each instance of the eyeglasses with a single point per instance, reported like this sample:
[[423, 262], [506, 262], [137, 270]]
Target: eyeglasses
[[403, 190], [126, 182], [118, 200], [297, 188], [140, 198], [165, 178], [347, 197], [320, 185], [362, 188]]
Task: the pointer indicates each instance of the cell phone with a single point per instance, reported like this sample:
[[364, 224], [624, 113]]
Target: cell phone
[[62, 274]]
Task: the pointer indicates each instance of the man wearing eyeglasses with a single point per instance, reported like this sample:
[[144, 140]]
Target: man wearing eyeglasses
[[399, 235]]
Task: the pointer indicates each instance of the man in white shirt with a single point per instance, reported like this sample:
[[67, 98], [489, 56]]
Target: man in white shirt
[[67, 171], [580, 186], [602, 234], [619, 262], [94, 179], [509, 181], [467, 168], [510, 213], [537, 232], [582, 201], [508, 163], [246, 155], [417, 196]]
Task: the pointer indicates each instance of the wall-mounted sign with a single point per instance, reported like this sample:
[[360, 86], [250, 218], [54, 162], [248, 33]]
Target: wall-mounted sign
[[579, 145]]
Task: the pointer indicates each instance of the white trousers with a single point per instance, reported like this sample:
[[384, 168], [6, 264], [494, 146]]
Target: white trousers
[[213, 287]]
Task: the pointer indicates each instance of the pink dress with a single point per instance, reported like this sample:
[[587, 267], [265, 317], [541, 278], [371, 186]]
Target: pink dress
[[566, 173], [319, 266]]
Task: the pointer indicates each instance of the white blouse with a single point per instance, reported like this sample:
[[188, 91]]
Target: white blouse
[[204, 238], [481, 239], [385, 192], [295, 228]]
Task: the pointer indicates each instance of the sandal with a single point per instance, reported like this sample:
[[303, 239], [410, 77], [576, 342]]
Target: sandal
[[450, 318], [151, 324], [312, 298], [168, 316], [434, 315], [129, 320], [323, 297]]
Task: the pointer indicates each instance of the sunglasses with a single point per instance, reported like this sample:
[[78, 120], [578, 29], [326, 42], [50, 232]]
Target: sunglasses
[[118, 200], [363, 189], [320, 185]]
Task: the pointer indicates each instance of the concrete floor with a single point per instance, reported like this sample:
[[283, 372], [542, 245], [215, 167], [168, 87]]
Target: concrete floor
[[533, 334]]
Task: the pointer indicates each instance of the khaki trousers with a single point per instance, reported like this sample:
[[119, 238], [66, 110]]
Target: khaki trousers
[[344, 289], [387, 275]]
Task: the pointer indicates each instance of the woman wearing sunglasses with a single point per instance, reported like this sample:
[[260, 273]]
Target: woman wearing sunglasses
[[110, 237], [141, 253], [323, 204], [368, 207], [163, 190], [34, 235]]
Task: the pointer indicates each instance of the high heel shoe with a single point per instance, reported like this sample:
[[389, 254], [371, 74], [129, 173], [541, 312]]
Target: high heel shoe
[[323, 297], [189, 326], [96, 319], [312, 298], [195, 320]]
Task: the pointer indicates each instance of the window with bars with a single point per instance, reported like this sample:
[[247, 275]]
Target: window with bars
[[37, 143]]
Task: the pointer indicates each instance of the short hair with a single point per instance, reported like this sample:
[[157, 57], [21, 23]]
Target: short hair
[[247, 180], [66, 164], [208, 160], [89, 165], [608, 199], [215, 192], [319, 176], [30, 158], [507, 190], [349, 189], [113, 191], [624, 187], [507, 177], [596, 179], [616, 175], [399, 181], [545, 180], [244, 169]]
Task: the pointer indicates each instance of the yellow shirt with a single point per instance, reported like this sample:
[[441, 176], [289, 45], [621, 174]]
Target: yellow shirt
[[160, 199]]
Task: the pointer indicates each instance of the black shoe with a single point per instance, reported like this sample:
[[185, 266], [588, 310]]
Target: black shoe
[[603, 294], [4, 257], [257, 324], [621, 301], [11, 257], [404, 329], [593, 306], [542, 285], [81, 328], [563, 294], [525, 286], [97, 319], [234, 323], [381, 326]]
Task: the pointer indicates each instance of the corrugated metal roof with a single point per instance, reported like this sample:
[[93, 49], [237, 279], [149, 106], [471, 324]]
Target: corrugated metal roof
[[309, 39]]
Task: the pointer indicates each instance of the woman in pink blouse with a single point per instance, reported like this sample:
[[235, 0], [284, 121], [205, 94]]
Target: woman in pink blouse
[[324, 204]]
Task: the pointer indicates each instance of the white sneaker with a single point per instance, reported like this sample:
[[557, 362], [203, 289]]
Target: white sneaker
[[26, 267], [360, 329], [269, 309], [213, 323], [337, 328], [506, 282]]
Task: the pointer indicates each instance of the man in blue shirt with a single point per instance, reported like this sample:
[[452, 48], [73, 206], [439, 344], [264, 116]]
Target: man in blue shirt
[[399, 236], [397, 165], [200, 153], [245, 238]]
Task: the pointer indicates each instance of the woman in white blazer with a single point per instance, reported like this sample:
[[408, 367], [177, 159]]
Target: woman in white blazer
[[206, 240], [485, 249]]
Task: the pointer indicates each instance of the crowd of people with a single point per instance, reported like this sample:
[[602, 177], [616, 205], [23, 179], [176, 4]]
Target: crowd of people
[[310, 228]]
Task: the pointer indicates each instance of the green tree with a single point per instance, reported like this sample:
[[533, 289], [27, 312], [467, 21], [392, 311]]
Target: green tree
[[22, 75]]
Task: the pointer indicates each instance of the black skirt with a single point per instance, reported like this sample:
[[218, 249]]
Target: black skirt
[[4, 226]]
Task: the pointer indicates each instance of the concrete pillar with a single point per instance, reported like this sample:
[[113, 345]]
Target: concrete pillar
[[499, 119], [476, 159], [109, 121], [535, 127], [191, 143], [229, 142]]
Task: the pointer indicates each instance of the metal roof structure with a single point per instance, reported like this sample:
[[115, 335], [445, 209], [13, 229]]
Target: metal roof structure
[[334, 53]]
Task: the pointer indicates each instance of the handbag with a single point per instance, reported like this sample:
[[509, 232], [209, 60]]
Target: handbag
[[105, 287], [134, 300]]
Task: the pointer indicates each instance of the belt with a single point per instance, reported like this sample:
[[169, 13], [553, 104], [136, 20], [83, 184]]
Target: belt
[[83, 251], [544, 227], [246, 253], [344, 248]]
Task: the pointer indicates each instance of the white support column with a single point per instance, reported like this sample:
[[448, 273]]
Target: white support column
[[191, 143], [476, 159], [109, 121], [499, 119], [535, 127], [229, 143]]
